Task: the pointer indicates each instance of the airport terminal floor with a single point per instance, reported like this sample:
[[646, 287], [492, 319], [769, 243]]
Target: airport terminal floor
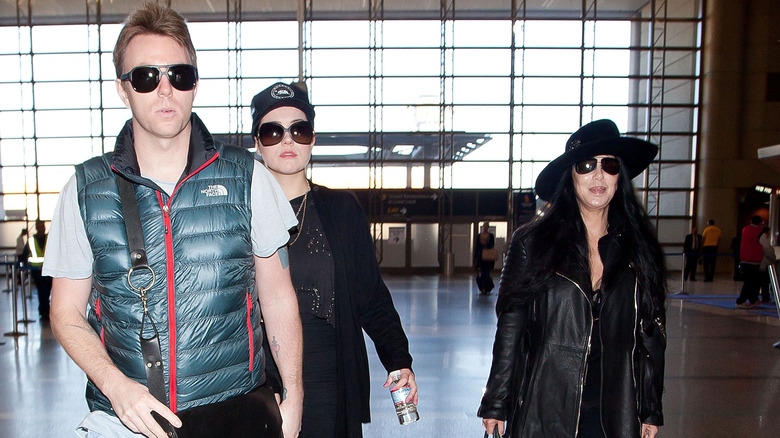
[[722, 372]]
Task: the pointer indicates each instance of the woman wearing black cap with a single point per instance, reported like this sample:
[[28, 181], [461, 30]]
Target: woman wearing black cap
[[580, 342], [335, 274]]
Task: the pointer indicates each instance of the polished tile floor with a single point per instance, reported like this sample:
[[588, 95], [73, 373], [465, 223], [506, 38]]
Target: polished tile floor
[[722, 374]]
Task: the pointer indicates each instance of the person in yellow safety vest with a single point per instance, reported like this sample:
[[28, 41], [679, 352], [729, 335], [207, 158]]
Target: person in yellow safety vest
[[42, 283]]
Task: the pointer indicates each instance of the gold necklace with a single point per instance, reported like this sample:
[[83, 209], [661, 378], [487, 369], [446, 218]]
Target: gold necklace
[[300, 224]]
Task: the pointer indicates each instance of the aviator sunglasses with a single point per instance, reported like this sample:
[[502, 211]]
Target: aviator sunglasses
[[146, 78], [608, 165], [272, 133]]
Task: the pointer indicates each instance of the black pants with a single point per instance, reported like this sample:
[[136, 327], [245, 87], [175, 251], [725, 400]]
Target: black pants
[[708, 261], [690, 267], [43, 284], [751, 285], [766, 293], [484, 280]]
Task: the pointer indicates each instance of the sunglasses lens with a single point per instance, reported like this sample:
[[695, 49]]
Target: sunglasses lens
[[144, 79], [586, 166], [610, 165], [270, 134], [183, 76], [302, 132], [273, 133]]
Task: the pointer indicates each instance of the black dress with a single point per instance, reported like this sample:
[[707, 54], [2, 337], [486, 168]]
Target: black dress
[[311, 271]]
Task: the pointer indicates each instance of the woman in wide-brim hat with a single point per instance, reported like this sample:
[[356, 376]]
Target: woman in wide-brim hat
[[579, 348]]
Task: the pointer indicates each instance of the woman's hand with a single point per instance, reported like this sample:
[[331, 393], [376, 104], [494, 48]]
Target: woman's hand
[[490, 424], [407, 378], [649, 430]]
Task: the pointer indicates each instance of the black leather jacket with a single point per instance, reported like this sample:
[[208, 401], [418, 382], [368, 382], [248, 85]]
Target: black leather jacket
[[541, 349]]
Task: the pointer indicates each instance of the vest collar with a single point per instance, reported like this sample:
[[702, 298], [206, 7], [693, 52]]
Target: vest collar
[[201, 149]]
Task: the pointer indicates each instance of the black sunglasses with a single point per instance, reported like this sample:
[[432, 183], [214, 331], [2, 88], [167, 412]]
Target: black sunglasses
[[608, 165], [146, 78], [272, 133]]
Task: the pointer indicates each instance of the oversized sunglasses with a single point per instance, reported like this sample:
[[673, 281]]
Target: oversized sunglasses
[[608, 164], [146, 78], [272, 133]]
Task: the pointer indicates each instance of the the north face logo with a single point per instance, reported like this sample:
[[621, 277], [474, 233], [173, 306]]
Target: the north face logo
[[215, 190]]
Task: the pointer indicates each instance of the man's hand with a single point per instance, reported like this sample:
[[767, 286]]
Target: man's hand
[[133, 404], [291, 409], [407, 377]]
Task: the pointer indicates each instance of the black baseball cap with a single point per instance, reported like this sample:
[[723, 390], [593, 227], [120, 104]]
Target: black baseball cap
[[279, 95]]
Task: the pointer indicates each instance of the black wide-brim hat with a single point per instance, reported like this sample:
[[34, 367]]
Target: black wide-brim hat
[[596, 138], [279, 95]]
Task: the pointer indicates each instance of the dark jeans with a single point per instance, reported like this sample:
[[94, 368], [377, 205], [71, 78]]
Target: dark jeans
[[690, 266], [751, 285], [708, 261]]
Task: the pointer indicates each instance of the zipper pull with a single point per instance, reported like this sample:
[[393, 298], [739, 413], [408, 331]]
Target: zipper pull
[[166, 217]]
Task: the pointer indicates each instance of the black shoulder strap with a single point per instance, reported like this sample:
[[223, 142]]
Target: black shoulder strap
[[150, 347]]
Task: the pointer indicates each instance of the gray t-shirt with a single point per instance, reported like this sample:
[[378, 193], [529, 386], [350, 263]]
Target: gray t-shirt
[[69, 255]]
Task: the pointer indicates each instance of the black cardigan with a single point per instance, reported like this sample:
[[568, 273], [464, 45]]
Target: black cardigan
[[362, 302]]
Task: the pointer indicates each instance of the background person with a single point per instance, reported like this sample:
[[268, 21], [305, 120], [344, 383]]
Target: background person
[[691, 252], [751, 253], [36, 248], [212, 221], [335, 274], [484, 265], [710, 239], [580, 336], [769, 259]]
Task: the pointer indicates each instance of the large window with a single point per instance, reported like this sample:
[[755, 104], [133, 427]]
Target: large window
[[437, 102]]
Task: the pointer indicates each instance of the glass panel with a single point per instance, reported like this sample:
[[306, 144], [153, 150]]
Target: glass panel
[[483, 33], [339, 34], [412, 91], [481, 62], [475, 175], [552, 33], [677, 148], [539, 146], [53, 178], [548, 62], [269, 63], [340, 62], [342, 119], [481, 119], [63, 123], [481, 90], [408, 62], [548, 119], [53, 95], [404, 33], [345, 91], [548, 90], [215, 64], [269, 35], [341, 177], [60, 38], [674, 203], [676, 175], [53, 151], [49, 67], [210, 36], [495, 148]]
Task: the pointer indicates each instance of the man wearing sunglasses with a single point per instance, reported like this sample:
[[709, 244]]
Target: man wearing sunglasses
[[212, 222]]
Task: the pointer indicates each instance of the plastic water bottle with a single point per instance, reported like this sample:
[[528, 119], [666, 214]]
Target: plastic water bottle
[[406, 411]]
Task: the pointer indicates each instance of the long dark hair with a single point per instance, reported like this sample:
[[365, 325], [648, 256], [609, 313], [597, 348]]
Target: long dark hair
[[557, 238]]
